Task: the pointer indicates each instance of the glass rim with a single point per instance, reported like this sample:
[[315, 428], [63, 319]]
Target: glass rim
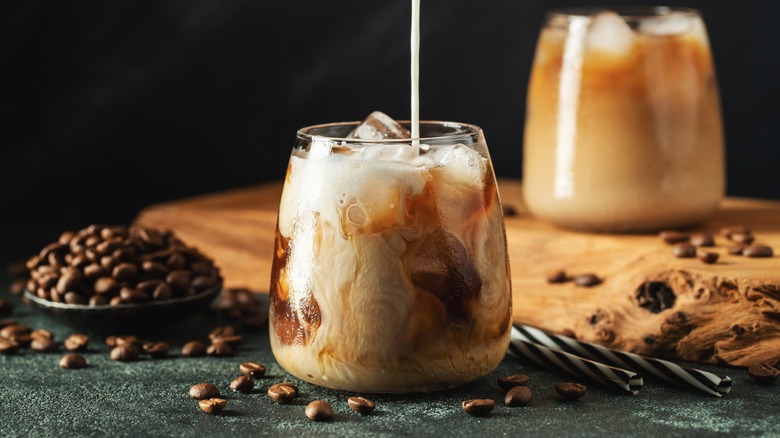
[[471, 131], [628, 13]]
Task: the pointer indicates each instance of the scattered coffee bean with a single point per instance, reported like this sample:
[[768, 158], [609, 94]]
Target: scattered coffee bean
[[193, 349], [6, 308], [219, 349], [728, 231], [745, 238], [706, 256], [125, 353], [587, 280], [518, 396], [113, 341], [157, 350], [77, 342], [42, 333], [14, 330], [509, 381], [683, 250], [736, 249], [478, 407], [243, 384], [702, 239], [319, 410], [283, 393], [42, 343], [571, 391], [508, 210], [203, 391], [361, 405], [73, 361], [221, 332], [212, 405], [763, 373], [8, 346], [252, 369], [558, 277], [673, 236], [758, 251]]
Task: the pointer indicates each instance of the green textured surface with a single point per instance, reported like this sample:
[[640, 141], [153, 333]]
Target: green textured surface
[[149, 398]]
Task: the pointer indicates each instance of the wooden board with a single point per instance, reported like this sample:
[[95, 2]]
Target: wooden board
[[728, 312]]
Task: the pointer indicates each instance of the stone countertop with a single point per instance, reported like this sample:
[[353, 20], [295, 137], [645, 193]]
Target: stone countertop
[[150, 398]]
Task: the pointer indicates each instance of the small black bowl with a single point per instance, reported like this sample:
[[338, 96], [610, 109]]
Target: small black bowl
[[127, 318]]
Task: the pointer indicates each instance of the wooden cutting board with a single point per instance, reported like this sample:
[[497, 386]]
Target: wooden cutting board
[[728, 312]]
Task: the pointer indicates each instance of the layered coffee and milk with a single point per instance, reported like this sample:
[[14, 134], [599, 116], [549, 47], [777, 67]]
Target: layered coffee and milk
[[390, 271], [623, 128]]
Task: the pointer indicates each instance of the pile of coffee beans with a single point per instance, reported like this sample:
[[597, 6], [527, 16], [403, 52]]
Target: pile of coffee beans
[[582, 280], [113, 265], [690, 245]]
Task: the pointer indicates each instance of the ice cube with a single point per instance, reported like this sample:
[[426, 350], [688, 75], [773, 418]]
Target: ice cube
[[666, 25], [461, 164], [608, 32], [379, 126]]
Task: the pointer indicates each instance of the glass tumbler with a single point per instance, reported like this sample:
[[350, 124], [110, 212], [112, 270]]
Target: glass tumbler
[[390, 271], [623, 129]]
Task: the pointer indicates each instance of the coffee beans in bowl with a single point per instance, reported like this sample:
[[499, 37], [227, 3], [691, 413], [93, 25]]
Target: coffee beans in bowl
[[112, 277]]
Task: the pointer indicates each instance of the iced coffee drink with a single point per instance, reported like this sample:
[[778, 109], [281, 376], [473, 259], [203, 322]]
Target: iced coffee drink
[[390, 270], [623, 129]]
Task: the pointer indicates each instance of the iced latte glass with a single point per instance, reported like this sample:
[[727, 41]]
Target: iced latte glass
[[623, 128], [390, 271]]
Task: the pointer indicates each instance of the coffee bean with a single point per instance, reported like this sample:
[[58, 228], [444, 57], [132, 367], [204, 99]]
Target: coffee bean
[[94, 270], [203, 391], [74, 298], [116, 301], [683, 250], [728, 231], [17, 286], [179, 280], [14, 330], [234, 341], [511, 380], [162, 292], [126, 254], [151, 236], [124, 272], [97, 300], [77, 342], [23, 340], [571, 391], [758, 251], [673, 236], [587, 280], [133, 296], [746, 238], [212, 405], [73, 361], [42, 333], [283, 393], [361, 405], [243, 384], [219, 349], [157, 350], [736, 249], [319, 410], [40, 343], [221, 332], [69, 281], [478, 407], [125, 353], [108, 262], [104, 285], [8, 346], [203, 282], [518, 396], [6, 308], [176, 261], [193, 349], [155, 269], [763, 373], [706, 256], [701, 239], [558, 277], [252, 369], [114, 341]]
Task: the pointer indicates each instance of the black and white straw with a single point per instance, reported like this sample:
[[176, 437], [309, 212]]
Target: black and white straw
[[687, 377], [614, 377]]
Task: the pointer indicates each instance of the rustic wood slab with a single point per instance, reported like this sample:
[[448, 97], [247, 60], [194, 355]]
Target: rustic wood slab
[[728, 312]]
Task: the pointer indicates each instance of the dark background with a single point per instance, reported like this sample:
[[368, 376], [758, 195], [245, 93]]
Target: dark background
[[111, 106]]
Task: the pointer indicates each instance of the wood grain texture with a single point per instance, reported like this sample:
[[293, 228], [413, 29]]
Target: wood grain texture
[[727, 312]]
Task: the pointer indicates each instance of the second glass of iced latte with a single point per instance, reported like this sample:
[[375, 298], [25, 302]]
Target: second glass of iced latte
[[390, 271]]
